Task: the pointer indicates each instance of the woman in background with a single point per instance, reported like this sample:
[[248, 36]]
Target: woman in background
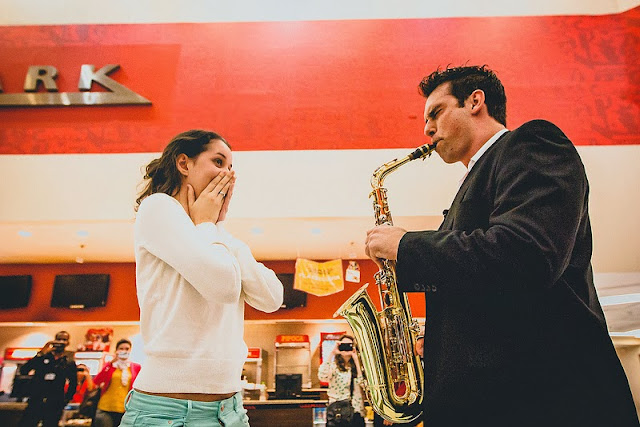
[[115, 379], [193, 279], [342, 371]]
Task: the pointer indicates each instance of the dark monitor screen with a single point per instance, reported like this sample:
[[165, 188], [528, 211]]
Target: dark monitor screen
[[292, 297], [288, 386], [80, 290], [15, 291]]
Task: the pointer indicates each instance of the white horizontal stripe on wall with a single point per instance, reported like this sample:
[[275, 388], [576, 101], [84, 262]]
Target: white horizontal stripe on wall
[[44, 12], [293, 192]]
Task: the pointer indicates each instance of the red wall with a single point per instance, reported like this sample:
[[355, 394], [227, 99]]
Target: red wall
[[320, 84], [122, 303]]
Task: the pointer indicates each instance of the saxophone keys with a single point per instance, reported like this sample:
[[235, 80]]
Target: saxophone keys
[[415, 326], [388, 298]]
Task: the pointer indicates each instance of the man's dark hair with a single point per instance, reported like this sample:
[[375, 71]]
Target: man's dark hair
[[464, 80], [123, 341]]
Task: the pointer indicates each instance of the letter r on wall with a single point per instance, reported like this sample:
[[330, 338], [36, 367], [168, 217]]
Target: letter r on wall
[[41, 73]]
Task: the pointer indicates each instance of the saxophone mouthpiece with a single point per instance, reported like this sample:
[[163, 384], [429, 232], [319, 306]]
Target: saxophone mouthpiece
[[423, 151]]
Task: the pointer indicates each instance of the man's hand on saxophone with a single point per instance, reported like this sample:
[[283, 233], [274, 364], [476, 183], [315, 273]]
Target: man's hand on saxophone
[[382, 242]]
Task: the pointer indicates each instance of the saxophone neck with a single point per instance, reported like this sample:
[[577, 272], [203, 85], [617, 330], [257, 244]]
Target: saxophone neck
[[380, 174]]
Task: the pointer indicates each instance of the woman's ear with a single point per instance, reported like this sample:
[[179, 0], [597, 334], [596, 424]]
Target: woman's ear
[[182, 164]]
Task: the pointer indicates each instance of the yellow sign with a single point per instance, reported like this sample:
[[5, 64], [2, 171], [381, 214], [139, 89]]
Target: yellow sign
[[319, 278]]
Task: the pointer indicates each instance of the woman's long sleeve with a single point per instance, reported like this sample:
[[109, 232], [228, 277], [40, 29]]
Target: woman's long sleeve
[[196, 252], [261, 287]]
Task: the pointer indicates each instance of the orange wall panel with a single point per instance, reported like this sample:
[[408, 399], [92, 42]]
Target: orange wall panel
[[122, 303], [324, 307]]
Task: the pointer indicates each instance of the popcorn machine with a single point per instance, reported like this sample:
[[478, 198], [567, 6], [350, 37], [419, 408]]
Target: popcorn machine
[[293, 356]]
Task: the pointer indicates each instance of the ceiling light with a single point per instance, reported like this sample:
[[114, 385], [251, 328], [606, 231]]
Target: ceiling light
[[82, 233], [316, 230], [24, 233]]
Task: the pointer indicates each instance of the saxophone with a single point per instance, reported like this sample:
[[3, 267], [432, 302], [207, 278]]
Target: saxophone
[[393, 372]]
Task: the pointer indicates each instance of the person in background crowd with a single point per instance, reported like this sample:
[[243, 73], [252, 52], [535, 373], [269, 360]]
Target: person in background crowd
[[342, 371], [193, 279], [116, 380], [515, 335], [85, 383], [54, 370]]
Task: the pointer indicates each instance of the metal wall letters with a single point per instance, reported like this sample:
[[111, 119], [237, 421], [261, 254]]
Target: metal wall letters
[[46, 75]]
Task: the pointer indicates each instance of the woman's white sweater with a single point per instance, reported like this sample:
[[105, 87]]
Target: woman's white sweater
[[192, 283]]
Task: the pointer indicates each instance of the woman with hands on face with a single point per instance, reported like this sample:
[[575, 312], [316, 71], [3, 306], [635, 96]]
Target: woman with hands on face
[[193, 279]]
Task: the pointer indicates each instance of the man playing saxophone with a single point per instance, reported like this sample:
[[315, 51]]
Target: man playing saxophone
[[515, 335]]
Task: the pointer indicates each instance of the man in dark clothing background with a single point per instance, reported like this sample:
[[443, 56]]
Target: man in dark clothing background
[[53, 367]]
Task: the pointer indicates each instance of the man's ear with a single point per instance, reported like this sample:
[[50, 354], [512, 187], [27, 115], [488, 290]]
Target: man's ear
[[182, 164], [476, 100]]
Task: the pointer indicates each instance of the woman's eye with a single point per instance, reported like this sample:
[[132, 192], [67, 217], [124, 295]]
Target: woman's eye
[[218, 162]]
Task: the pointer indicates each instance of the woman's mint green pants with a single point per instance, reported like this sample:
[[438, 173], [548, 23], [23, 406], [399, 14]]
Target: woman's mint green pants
[[147, 410]]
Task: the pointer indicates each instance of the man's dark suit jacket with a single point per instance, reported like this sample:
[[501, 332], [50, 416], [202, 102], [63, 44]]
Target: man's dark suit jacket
[[515, 335]]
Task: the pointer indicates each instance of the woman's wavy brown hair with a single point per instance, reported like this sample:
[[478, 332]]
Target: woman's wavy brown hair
[[162, 175]]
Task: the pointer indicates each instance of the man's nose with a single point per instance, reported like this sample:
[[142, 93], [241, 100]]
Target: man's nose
[[429, 129]]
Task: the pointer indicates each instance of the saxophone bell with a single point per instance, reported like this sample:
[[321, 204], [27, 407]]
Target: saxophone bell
[[386, 339]]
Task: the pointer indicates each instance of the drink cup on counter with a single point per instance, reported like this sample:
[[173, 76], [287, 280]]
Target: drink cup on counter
[[263, 392]]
